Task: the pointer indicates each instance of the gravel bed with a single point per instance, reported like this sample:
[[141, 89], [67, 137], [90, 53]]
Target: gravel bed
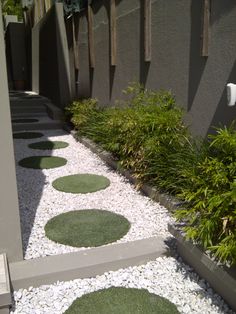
[[165, 276], [39, 201]]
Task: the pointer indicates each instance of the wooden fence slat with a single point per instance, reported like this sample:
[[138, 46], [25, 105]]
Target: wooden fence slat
[[91, 37], [37, 11], [205, 36], [113, 39], [147, 30], [48, 4]]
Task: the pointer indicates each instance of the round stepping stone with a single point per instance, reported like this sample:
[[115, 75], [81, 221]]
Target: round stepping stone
[[117, 300], [24, 120], [42, 162], [81, 183], [86, 228], [44, 145], [27, 135]]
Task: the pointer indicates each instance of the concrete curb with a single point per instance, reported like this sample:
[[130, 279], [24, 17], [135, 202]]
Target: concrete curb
[[222, 280], [86, 263], [166, 200]]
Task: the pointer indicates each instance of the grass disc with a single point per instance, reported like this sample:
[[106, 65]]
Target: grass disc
[[119, 300], [48, 145], [81, 183], [87, 228], [27, 135], [42, 162]]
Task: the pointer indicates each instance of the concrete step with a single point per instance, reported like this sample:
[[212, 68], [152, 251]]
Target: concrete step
[[5, 291], [47, 108], [28, 100], [31, 105]]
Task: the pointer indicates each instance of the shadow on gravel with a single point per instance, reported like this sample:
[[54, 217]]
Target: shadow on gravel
[[30, 183]]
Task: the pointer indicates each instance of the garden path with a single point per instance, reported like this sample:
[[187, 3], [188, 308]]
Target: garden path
[[39, 202]]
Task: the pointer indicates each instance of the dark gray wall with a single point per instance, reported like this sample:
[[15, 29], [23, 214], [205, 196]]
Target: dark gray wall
[[50, 57], [16, 53], [198, 82]]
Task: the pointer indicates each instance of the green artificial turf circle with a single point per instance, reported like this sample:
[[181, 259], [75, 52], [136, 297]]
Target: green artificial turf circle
[[27, 135], [81, 183], [44, 145], [87, 228], [24, 120], [42, 162], [119, 300]]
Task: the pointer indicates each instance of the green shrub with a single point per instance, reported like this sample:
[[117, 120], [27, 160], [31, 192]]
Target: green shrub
[[81, 112], [147, 134], [137, 131], [210, 191]]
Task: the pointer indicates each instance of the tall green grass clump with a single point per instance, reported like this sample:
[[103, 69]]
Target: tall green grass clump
[[141, 132], [210, 194], [147, 135]]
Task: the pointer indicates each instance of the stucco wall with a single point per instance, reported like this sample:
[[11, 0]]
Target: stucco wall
[[10, 233], [198, 82]]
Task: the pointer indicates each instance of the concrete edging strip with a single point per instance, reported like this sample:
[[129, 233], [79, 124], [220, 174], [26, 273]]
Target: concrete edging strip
[[221, 280], [85, 263]]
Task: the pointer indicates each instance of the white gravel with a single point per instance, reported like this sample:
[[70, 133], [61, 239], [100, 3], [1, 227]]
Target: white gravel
[[165, 277], [39, 201]]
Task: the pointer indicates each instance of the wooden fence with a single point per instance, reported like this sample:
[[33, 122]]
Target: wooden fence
[[40, 8]]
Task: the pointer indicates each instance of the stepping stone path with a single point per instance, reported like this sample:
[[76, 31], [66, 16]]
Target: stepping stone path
[[124, 214]]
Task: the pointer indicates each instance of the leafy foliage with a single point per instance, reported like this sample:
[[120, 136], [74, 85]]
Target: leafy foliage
[[211, 194], [139, 133], [148, 136], [12, 7], [73, 6]]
